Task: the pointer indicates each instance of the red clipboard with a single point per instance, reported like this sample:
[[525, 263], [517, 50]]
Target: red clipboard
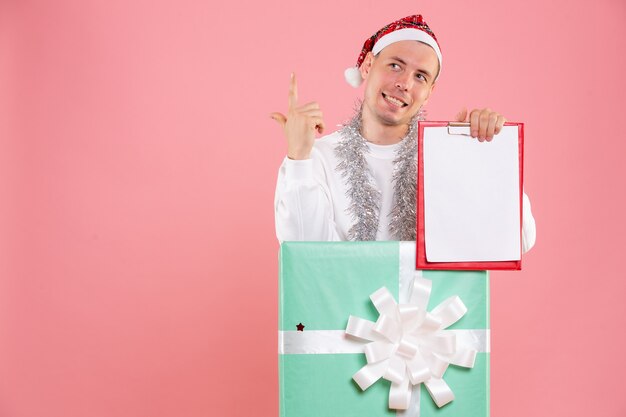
[[421, 262]]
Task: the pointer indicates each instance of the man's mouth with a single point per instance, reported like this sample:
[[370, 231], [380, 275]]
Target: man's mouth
[[394, 100]]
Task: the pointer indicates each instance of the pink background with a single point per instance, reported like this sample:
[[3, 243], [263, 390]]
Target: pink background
[[138, 262]]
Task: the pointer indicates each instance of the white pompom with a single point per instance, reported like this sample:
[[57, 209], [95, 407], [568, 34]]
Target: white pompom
[[353, 76]]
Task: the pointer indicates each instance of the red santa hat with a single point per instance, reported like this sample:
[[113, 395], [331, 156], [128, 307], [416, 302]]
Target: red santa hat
[[409, 28]]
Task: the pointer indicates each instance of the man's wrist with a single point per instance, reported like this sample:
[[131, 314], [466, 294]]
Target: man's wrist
[[299, 156]]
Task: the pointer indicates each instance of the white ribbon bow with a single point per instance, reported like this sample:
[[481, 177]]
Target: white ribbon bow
[[409, 345]]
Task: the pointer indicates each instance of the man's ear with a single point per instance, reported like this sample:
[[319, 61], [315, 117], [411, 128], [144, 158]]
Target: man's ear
[[365, 67]]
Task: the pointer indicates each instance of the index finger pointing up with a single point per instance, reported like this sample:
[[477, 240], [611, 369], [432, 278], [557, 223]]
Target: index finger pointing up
[[293, 92]]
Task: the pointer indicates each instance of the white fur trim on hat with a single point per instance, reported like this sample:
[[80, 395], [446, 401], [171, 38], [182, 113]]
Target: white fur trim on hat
[[407, 34]]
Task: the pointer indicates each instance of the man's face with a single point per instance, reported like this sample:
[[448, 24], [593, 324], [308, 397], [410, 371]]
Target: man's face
[[398, 81]]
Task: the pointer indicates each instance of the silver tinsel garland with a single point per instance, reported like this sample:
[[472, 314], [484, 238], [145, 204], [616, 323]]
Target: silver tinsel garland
[[365, 197]]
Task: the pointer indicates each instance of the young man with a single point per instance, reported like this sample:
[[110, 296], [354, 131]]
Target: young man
[[359, 183]]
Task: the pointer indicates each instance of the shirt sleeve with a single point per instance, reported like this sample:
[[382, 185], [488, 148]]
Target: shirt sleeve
[[529, 230], [302, 203]]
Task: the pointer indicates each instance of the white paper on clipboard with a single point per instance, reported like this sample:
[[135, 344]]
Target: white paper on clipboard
[[471, 196]]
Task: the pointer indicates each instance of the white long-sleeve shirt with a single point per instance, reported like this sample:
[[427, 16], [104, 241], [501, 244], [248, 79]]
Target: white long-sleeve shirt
[[311, 196]]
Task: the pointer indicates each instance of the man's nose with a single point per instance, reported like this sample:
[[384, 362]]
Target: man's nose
[[404, 81]]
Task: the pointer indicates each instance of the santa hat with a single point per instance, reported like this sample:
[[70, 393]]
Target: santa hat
[[409, 28]]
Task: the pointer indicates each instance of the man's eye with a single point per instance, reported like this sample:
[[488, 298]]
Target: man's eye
[[420, 76], [395, 66]]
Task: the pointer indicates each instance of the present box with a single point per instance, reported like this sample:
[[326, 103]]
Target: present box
[[321, 285]]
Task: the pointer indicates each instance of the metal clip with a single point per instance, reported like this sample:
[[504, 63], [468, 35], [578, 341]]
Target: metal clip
[[459, 128]]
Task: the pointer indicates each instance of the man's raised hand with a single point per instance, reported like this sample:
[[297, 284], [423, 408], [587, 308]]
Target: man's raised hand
[[300, 124]]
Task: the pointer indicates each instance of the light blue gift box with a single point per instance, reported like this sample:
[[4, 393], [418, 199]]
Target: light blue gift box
[[321, 284]]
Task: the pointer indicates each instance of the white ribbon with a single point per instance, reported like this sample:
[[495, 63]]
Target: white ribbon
[[410, 346], [320, 342]]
